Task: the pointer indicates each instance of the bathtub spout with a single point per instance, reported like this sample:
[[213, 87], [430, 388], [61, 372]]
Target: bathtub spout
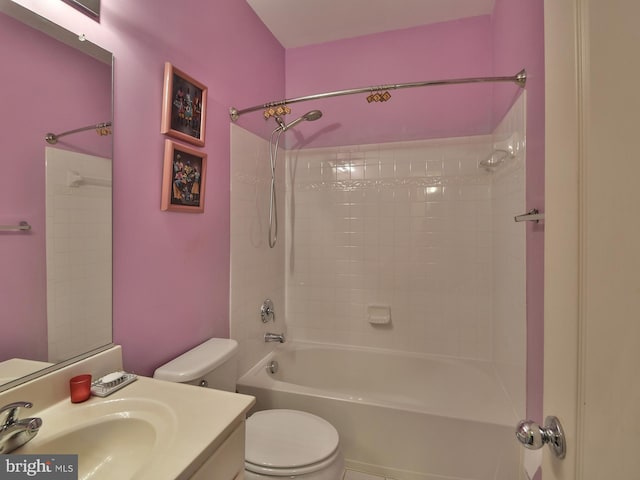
[[274, 337]]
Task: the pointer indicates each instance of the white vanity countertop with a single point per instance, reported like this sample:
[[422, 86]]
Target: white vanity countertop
[[149, 429], [19, 367], [190, 424]]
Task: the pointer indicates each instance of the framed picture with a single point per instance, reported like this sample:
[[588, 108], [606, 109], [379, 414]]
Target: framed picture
[[183, 178], [184, 106]]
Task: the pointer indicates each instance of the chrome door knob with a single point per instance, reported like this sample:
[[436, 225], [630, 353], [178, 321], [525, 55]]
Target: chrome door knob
[[532, 436]]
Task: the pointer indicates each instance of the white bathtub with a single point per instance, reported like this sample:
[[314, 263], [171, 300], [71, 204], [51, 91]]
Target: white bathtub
[[409, 417]]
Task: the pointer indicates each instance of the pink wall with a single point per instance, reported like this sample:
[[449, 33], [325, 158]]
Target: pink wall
[[456, 49], [518, 39], [41, 93], [171, 270]]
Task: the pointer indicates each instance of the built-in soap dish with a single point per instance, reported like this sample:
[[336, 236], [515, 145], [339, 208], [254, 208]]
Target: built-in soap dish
[[379, 314], [111, 383]]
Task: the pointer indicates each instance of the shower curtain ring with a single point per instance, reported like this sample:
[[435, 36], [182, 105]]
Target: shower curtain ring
[[269, 112], [370, 96]]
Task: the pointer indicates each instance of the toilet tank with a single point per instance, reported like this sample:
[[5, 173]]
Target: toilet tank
[[211, 364]]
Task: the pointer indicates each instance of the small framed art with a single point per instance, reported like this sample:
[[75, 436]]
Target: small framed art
[[183, 178], [184, 106]]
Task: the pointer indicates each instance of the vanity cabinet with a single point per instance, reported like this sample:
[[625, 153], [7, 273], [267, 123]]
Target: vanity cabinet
[[227, 462]]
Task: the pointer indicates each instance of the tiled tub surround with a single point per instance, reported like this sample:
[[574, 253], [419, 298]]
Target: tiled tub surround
[[402, 224], [417, 226]]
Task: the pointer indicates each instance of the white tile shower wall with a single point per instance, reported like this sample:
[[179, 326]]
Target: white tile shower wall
[[509, 262], [403, 224], [78, 225], [257, 271]]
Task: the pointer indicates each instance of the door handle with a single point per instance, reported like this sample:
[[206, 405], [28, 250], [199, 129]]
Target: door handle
[[532, 436]]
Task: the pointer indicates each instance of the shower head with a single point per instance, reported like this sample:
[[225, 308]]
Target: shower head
[[312, 115], [309, 116]]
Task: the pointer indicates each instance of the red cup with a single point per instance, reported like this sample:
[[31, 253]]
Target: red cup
[[80, 388]]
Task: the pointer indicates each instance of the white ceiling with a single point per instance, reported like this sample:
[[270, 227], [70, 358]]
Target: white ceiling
[[296, 23]]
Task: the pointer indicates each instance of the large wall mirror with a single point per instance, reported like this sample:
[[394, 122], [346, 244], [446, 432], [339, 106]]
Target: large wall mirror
[[55, 268]]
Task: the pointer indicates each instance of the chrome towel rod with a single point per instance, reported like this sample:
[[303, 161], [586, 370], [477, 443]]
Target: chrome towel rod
[[519, 79], [532, 215], [21, 227]]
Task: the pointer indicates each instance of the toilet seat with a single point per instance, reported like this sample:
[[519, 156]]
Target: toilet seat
[[289, 442]]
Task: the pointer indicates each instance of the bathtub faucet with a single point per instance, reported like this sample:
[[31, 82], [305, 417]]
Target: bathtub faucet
[[274, 337]]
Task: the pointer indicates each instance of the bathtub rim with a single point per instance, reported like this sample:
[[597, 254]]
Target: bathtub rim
[[257, 378]]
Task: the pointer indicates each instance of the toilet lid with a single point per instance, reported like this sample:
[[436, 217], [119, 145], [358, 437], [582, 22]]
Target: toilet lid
[[288, 439]]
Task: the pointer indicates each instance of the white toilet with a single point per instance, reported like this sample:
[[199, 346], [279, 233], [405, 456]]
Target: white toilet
[[279, 443]]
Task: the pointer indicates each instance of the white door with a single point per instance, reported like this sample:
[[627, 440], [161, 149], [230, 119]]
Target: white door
[[592, 235]]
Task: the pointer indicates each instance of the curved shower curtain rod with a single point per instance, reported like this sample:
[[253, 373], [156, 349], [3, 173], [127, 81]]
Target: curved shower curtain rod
[[519, 79], [101, 128]]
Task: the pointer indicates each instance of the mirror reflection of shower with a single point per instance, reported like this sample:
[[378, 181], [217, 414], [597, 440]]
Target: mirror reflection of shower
[[273, 156]]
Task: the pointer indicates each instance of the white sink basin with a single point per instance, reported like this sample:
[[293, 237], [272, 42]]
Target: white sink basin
[[113, 438], [112, 449]]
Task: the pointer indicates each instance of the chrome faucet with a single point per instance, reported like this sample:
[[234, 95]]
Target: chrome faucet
[[274, 337], [16, 432]]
